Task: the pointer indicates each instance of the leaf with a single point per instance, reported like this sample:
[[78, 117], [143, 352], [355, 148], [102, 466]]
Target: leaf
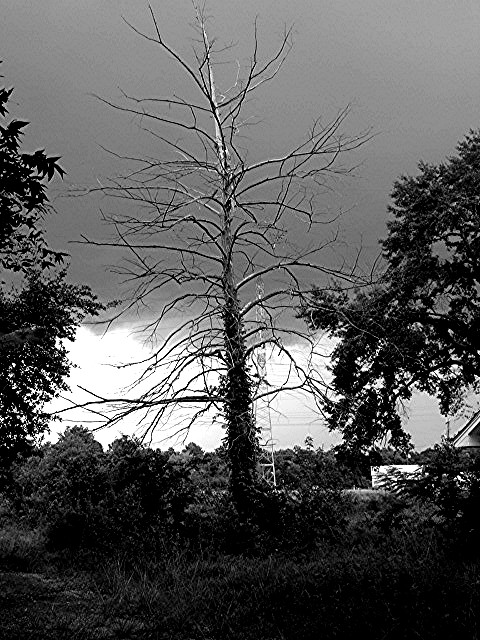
[[4, 97], [12, 133]]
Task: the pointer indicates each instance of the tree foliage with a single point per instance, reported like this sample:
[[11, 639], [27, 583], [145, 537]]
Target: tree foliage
[[62, 485], [304, 468], [450, 483], [23, 197], [417, 327], [39, 309], [82, 495], [133, 496], [35, 371]]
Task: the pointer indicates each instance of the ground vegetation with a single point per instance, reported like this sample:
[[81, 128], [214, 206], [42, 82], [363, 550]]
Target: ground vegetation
[[137, 543]]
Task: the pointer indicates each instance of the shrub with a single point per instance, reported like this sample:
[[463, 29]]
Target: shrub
[[60, 489], [148, 493], [283, 520], [83, 497], [446, 495]]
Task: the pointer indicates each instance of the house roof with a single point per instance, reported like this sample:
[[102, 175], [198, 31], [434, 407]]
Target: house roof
[[469, 434]]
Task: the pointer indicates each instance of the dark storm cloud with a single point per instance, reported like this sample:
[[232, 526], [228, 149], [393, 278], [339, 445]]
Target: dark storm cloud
[[410, 68]]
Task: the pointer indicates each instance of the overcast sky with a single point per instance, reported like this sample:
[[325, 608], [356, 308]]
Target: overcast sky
[[410, 70]]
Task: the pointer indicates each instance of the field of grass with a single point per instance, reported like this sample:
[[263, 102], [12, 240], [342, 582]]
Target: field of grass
[[409, 584]]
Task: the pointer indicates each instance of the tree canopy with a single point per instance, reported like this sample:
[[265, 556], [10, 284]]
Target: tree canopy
[[416, 327], [39, 309], [33, 372], [23, 197]]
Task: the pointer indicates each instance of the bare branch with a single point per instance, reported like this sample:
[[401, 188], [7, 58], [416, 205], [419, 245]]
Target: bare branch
[[200, 227]]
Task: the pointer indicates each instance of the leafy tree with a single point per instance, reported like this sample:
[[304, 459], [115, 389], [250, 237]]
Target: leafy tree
[[417, 327], [23, 197], [388, 455], [207, 470], [450, 482], [62, 486], [38, 308], [212, 474], [23, 205], [304, 468], [130, 495], [149, 489], [35, 371]]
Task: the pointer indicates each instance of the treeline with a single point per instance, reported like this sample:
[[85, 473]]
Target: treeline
[[131, 496], [155, 535]]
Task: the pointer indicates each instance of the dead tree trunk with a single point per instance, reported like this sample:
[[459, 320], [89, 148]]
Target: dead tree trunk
[[241, 437]]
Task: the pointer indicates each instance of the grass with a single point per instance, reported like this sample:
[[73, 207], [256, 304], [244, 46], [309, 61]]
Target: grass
[[409, 590], [406, 581], [21, 549]]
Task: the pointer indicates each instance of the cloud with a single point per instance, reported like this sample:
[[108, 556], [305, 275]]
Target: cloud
[[98, 369], [293, 415]]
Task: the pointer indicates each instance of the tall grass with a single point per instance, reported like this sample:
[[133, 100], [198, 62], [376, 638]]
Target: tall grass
[[21, 548], [407, 587]]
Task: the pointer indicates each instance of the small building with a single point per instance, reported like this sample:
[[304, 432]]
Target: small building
[[468, 437]]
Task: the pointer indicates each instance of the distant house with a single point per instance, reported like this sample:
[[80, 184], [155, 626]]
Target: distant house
[[468, 437]]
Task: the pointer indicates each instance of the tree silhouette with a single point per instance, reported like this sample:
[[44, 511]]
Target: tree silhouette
[[38, 308], [417, 327]]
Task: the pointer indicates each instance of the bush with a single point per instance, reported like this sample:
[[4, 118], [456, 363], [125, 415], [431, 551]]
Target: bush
[[449, 489], [61, 488], [283, 520], [148, 494], [83, 497]]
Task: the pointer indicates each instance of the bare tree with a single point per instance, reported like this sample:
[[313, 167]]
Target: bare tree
[[209, 241]]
